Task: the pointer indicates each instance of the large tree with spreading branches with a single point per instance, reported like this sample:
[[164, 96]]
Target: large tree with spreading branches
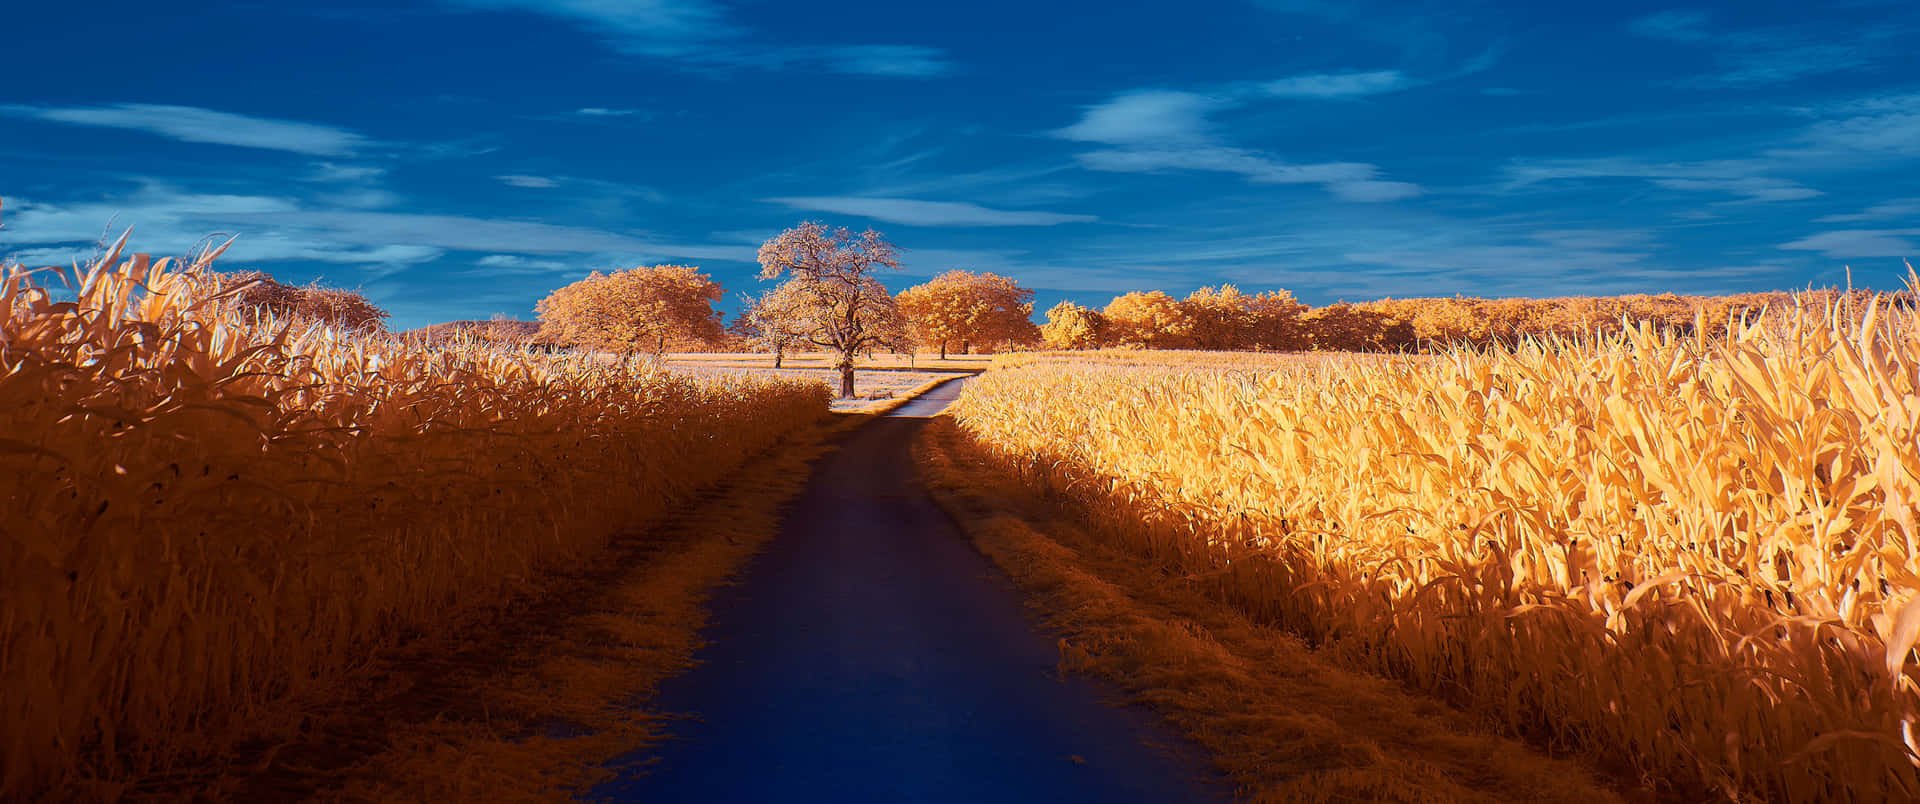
[[843, 308]]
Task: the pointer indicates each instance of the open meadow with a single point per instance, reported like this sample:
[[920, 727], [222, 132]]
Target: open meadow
[[880, 379]]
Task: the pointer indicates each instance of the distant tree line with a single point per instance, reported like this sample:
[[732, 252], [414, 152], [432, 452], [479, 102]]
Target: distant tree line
[[831, 299], [1224, 318]]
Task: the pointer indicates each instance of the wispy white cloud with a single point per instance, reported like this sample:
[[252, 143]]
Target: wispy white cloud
[[1371, 191], [1257, 168], [1737, 177], [898, 61], [1868, 133], [1890, 210], [530, 182], [331, 172], [516, 263], [359, 198], [1157, 131], [1338, 85], [168, 220], [1146, 117], [194, 124], [930, 213], [587, 190], [601, 111], [699, 33], [1860, 243], [1761, 56], [1751, 188], [1873, 128], [661, 28]]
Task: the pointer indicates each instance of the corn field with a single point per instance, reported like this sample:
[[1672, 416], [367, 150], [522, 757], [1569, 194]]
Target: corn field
[[206, 516], [1692, 556]]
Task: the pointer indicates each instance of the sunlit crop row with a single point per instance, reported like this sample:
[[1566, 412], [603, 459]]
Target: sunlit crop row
[[1696, 556], [202, 518]]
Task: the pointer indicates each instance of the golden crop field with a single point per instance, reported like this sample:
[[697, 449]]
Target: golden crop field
[[1695, 556], [206, 519]]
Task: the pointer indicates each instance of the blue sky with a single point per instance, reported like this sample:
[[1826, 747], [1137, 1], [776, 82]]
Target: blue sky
[[461, 158]]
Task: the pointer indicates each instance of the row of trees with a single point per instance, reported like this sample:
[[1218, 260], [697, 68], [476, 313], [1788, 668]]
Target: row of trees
[[1209, 318], [831, 299], [1224, 318]]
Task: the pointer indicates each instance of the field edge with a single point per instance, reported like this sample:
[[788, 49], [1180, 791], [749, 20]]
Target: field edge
[[1281, 722]]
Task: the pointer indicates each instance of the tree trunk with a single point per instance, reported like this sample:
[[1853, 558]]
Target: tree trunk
[[660, 344], [943, 350], [846, 375], [779, 353]]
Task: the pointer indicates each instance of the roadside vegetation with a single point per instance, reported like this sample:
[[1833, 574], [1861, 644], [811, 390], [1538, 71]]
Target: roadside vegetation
[[1280, 720], [214, 512], [1690, 554]]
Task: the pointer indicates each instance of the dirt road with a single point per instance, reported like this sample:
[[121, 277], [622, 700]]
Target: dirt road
[[872, 654]]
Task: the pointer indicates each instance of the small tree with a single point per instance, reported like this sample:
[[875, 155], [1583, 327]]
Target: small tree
[[968, 308], [261, 296], [1222, 318], [1070, 326], [775, 321], [1153, 319], [845, 310], [648, 305], [1276, 321]]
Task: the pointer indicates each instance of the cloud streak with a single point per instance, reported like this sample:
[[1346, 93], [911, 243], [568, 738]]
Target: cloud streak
[[930, 213], [197, 125], [1757, 57], [1860, 243], [1326, 86], [1738, 177], [171, 221], [699, 33], [529, 182], [1163, 131]]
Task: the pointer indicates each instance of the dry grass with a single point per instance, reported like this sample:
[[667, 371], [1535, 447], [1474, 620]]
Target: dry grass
[[824, 361], [1186, 359], [206, 519], [1694, 556], [879, 382]]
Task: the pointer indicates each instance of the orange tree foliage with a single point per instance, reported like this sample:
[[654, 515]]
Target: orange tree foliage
[[260, 297], [776, 321], [620, 311], [838, 304], [1345, 327], [1226, 319], [1151, 319], [969, 309], [1070, 326]]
